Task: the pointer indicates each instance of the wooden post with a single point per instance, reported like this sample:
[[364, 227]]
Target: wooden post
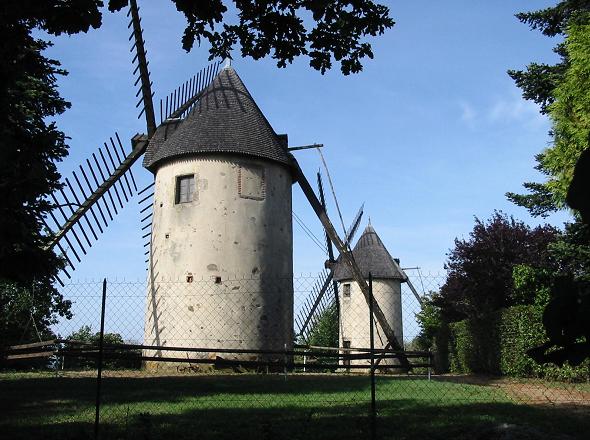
[[100, 353], [372, 358]]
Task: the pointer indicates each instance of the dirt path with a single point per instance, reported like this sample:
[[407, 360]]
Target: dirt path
[[531, 391]]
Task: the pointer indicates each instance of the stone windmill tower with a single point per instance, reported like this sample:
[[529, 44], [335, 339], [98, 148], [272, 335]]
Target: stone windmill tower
[[221, 213], [371, 256], [221, 256]]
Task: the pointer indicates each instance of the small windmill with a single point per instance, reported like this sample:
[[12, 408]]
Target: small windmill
[[244, 185], [324, 293]]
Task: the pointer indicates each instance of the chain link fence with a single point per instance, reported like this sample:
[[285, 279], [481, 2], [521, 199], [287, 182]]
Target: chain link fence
[[304, 357]]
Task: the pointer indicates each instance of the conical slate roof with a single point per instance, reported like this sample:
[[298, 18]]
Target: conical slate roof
[[225, 120], [371, 256]]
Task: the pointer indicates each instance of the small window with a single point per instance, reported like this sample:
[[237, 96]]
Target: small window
[[185, 188], [346, 291]]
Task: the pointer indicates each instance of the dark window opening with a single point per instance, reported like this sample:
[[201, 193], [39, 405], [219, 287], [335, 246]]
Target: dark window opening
[[346, 290]]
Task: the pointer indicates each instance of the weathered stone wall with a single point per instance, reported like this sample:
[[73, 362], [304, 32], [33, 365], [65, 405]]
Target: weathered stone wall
[[221, 266], [354, 315]]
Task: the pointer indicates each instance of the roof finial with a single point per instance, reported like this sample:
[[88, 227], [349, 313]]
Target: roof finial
[[369, 221], [227, 64]]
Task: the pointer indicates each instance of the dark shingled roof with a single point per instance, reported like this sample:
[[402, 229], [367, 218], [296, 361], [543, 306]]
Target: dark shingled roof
[[371, 256], [225, 120]]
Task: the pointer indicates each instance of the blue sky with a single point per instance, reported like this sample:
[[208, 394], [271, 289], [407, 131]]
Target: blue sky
[[432, 133]]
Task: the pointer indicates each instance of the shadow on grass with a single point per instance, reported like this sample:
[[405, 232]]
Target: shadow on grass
[[261, 408], [167, 389], [397, 420]]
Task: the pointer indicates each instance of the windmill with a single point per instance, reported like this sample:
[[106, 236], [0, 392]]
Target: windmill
[[335, 289], [324, 293], [245, 185]]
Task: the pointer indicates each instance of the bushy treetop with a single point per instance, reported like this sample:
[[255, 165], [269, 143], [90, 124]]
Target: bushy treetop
[[480, 268]]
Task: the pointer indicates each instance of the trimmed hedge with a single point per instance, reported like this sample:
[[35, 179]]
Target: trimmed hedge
[[521, 328], [498, 343], [474, 346]]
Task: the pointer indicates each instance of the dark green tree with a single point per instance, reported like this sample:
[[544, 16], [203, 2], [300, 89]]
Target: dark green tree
[[321, 30], [430, 321], [480, 269], [31, 146], [26, 313], [31, 142], [563, 92], [124, 358], [325, 331]]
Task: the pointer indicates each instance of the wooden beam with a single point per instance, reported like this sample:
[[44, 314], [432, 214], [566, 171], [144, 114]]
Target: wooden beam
[[305, 147], [32, 345], [144, 74], [13, 357]]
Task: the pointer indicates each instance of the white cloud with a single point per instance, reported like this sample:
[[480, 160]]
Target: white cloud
[[509, 109], [515, 109], [468, 113]]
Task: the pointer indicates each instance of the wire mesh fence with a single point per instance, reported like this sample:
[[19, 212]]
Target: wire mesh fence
[[247, 358]]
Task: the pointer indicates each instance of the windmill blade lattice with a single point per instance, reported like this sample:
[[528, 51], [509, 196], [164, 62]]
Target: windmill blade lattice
[[88, 202], [100, 188], [182, 100], [146, 212]]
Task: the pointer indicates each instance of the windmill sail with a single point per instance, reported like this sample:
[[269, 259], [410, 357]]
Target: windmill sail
[[180, 101], [89, 200], [146, 212], [84, 207], [329, 242]]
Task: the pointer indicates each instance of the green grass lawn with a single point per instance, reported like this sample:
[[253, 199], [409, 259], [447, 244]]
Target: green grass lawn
[[270, 407]]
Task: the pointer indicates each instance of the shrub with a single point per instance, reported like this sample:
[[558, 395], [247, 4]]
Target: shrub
[[475, 346], [521, 328], [498, 345], [128, 359]]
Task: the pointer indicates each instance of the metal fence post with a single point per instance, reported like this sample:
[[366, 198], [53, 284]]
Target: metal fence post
[[99, 361], [372, 358], [285, 362], [430, 358]]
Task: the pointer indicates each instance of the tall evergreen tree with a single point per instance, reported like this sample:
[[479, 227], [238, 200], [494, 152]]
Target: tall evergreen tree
[[561, 90], [31, 146]]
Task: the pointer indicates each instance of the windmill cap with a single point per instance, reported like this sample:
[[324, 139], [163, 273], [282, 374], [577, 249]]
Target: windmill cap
[[225, 120], [371, 256]]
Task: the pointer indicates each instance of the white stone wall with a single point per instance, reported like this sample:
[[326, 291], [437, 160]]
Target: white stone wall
[[354, 315], [221, 266]]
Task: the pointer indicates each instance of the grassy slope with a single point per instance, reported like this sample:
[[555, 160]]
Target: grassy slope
[[267, 407]]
